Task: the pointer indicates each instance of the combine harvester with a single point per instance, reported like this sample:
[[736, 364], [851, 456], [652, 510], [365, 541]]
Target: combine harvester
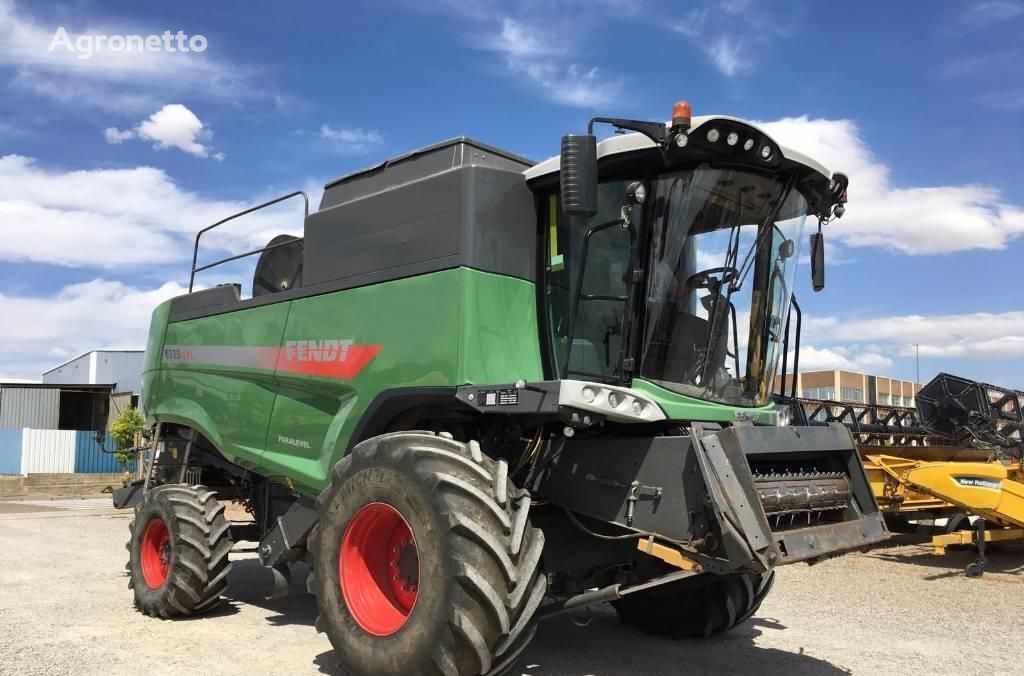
[[958, 455], [481, 391]]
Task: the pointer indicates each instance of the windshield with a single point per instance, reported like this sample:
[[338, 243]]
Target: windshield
[[723, 247]]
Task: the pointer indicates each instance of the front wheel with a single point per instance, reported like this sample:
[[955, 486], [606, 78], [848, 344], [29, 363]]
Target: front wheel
[[697, 607], [424, 560], [178, 551]]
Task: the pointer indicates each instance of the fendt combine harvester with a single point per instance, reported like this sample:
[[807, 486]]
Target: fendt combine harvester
[[480, 391], [959, 455]]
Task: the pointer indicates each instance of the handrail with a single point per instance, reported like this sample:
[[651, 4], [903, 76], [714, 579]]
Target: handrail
[[195, 250]]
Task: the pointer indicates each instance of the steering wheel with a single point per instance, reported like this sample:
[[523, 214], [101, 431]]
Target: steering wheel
[[707, 279]]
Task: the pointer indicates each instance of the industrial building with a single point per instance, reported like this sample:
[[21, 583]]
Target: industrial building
[[120, 368], [85, 393], [854, 388], [52, 426]]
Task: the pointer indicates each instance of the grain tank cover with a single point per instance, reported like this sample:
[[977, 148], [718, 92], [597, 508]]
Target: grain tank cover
[[455, 203]]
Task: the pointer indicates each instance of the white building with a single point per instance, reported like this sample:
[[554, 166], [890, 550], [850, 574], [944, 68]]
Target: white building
[[120, 368]]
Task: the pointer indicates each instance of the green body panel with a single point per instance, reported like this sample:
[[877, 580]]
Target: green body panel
[[226, 375], [499, 341], [448, 328], [154, 351], [690, 409], [229, 403]]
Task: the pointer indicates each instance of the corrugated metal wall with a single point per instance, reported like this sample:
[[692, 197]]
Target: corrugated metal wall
[[75, 372], [29, 407], [119, 401], [121, 369], [56, 452], [48, 452], [10, 451], [89, 455]]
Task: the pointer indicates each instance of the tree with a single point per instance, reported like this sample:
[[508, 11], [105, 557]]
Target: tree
[[125, 428]]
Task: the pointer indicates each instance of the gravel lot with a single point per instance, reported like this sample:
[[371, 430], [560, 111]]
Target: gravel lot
[[65, 609]]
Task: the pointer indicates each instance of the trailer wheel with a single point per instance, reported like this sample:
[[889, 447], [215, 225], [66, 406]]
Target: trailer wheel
[[958, 522], [178, 551], [698, 607], [424, 560]]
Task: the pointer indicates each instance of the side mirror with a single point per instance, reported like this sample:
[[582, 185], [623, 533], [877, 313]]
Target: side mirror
[[818, 261], [787, 249], [578, 174]]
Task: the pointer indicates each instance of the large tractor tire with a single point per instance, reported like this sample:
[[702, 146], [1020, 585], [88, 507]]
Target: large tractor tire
[[424, 560], [178, 551], [698, 607]]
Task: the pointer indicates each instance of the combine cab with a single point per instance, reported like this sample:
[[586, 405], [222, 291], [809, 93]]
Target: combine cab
[[480, 391]]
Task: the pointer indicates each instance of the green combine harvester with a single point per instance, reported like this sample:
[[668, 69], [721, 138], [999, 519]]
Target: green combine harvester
[[481, 391]]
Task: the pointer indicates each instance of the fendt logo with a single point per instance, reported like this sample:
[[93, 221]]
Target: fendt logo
[[317, 350], [325, 357]]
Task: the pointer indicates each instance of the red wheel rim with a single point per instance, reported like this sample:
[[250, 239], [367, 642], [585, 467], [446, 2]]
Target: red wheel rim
[[156, 553], [379, 569]]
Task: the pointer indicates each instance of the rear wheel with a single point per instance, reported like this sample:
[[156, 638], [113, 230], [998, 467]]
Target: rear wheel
[[424, 560], [697, 607], [178, 551]]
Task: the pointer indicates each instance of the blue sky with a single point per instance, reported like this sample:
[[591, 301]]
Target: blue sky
[[110, 163]]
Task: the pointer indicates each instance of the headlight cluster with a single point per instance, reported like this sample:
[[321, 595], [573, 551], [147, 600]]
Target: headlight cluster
[[783, 415], [766, 150], [616, 403]]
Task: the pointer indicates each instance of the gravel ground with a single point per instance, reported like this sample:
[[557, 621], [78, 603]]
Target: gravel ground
[[65, 609]]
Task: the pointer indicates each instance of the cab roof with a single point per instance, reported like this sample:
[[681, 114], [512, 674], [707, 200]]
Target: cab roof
[[624, 143]]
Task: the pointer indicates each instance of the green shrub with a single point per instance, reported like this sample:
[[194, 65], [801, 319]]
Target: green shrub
[[124, 430]]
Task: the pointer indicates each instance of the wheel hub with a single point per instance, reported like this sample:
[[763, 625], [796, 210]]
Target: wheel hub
[[405, 563], [155, 553], [378, 568]]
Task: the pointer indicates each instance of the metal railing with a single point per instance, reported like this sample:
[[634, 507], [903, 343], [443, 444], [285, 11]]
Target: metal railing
[[195, 250], [869, 423]]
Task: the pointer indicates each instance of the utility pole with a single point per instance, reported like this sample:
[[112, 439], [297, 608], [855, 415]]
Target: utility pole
[[917, 350]]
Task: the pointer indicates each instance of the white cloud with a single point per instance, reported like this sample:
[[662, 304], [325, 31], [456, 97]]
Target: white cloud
[[728, 55], [541, 53], [912, 219], [1005, 100], [516, 38], [991, 11], [80, 317], [351, 139], [728, 32], [8, 129], [539, 56], [570, 85], [110, 80], [826, 359], [79, 93], [117, 136], [173, 126], [115, 217], [979, 334]]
